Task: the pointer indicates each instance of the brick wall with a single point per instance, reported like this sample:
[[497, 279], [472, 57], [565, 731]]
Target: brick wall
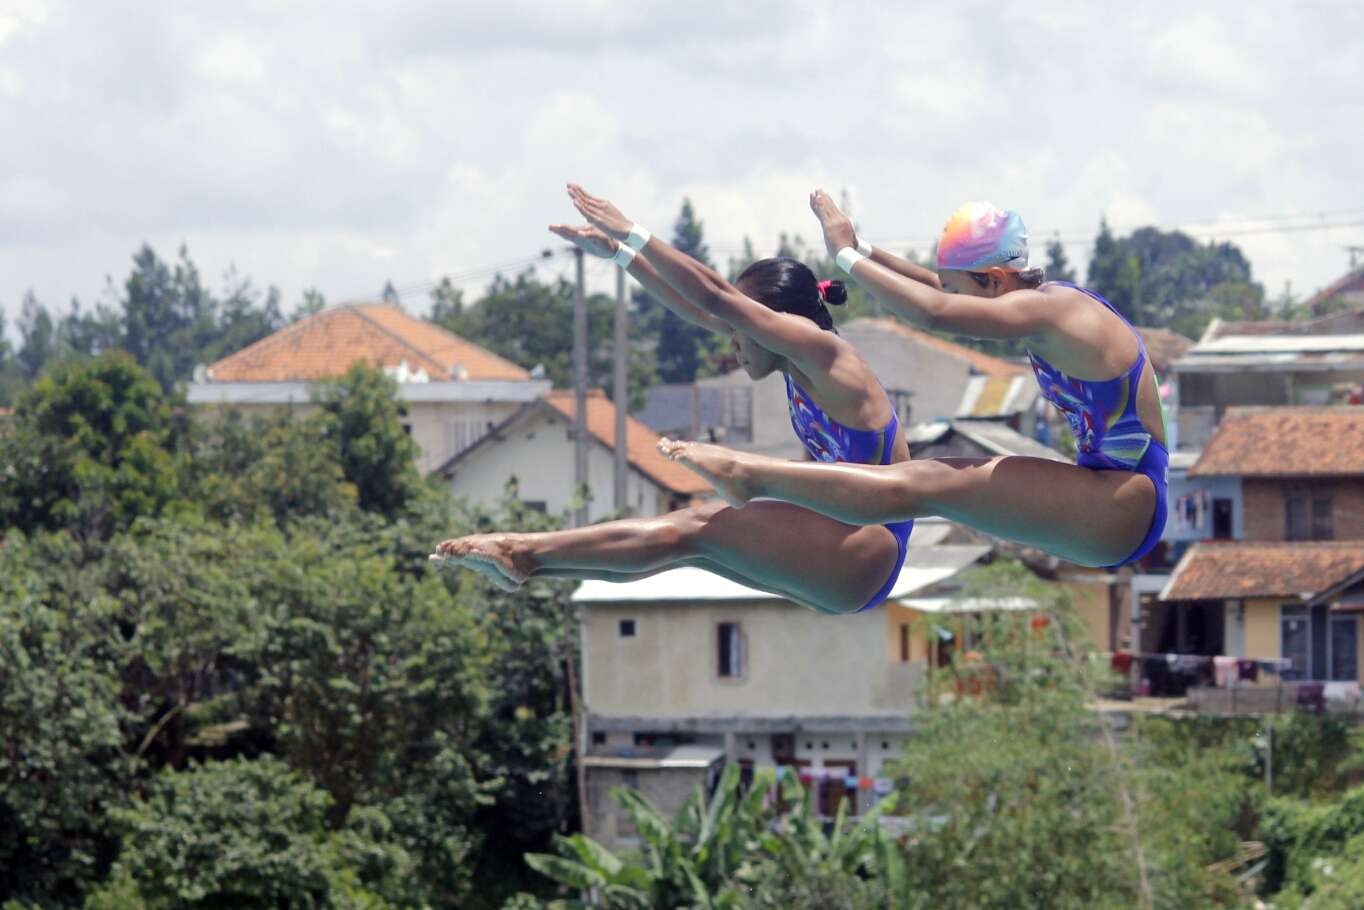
[[1263, 501]]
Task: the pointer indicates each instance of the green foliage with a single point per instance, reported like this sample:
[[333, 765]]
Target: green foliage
[[1166, 278], [283, 467], [62, 760], [530, 322], [763, 848], [245, 833], [1058, 266], [87, 449], [375, 451]]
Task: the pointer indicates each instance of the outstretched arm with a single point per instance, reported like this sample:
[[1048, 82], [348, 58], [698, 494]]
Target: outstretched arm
[[597, 243], [1017, 314], [914, 298], [831, 215], [794, 337]]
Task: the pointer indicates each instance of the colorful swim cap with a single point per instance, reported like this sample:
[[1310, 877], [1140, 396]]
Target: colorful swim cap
[[979, 236]]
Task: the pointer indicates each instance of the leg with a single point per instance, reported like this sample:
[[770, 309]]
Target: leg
[[1085, 516], [772, 546]]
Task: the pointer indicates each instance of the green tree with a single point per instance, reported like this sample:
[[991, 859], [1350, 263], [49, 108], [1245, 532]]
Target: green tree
[[682, 350], [37, 337], [1166, 278], [63, 765], [311, 302], [366, 424], [1058, 266], [251, 834], [530, 323], [88, 449]]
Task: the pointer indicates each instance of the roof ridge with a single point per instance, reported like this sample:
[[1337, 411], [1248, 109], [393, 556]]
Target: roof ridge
[[394, 335], [269, 341], [453, 336]]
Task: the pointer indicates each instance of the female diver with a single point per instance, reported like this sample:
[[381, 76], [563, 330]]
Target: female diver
[[775, 313]]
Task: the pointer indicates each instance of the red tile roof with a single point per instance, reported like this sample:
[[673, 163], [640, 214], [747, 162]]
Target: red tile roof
[[1163, 346], [981, 363], [1285, 442], [1216, 570], [640, 441], [1352, 282], [327, 343]]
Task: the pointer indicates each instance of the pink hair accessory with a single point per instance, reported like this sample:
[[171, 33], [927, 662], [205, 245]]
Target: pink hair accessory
[[824, 288]]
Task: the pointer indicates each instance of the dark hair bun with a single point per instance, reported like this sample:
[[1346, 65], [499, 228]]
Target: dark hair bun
[[837, 294]]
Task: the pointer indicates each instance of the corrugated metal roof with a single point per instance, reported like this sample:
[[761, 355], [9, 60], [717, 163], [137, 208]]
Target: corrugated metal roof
[[1278, 344], [298, 392], [924, 566]]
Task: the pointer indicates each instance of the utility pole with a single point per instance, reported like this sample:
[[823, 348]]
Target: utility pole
[[620, 384], [579, 391]]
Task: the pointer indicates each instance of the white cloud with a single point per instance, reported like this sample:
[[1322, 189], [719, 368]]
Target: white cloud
[[329, 145]]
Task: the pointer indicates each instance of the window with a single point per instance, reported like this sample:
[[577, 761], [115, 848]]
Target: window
[[904, 642], [627, 628], [536, 505], [598, 738], [464, 433], [1296, 644], [1221, 519], [1308, 514], [730, 640], [1344, 648]]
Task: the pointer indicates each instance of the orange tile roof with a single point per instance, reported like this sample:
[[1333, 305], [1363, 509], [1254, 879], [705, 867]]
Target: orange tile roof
[[1285, 442], [1351, 282], [327, 343], [1233, 569], [981, 363], [1164, 346], [640, 441]]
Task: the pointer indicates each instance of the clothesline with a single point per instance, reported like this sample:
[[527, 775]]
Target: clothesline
[[1225, 668]]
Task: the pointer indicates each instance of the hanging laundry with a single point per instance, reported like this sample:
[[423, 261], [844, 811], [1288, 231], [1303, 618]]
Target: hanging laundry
[[1224, 671], [1248, 670], [882, 785], [865, 783], [1122, 662]]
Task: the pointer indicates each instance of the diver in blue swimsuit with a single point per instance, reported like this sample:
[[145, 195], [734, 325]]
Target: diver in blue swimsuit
[[777, 316], [1107, 509]]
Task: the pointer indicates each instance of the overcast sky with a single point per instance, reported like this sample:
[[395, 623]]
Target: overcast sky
[[333, 145]]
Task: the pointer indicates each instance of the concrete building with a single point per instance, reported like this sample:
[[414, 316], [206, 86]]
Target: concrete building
[[535, 446], [454, 391]]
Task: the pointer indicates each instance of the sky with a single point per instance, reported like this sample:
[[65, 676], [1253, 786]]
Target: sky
[[341, 145]]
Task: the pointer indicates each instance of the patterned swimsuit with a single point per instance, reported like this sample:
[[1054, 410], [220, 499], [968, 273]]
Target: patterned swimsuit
[[829, 441], [1109, 435]]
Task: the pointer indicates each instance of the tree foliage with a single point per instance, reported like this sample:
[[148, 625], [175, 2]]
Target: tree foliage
[[1168, 279]]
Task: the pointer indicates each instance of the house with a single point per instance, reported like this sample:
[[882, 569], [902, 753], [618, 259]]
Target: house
[[1347, 291], [689, 660], [453, 389], [535, 447], [1270, 364], [1270, 528]]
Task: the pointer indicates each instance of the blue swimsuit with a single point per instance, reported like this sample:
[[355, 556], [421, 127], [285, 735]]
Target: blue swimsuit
[[827, 440], [1109, 436]]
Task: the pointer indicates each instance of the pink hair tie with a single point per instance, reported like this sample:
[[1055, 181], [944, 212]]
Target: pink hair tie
[[824, 288]]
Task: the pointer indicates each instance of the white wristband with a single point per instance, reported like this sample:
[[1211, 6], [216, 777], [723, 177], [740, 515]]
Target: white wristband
[[863, 247], [639, 235], [847, 258], [624, 256]]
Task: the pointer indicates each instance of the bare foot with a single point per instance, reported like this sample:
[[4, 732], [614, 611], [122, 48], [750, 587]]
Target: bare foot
[[838, 229], [501, 557], [722, 468]]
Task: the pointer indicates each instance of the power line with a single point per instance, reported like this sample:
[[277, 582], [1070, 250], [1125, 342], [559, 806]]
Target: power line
[[1206, 229]]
